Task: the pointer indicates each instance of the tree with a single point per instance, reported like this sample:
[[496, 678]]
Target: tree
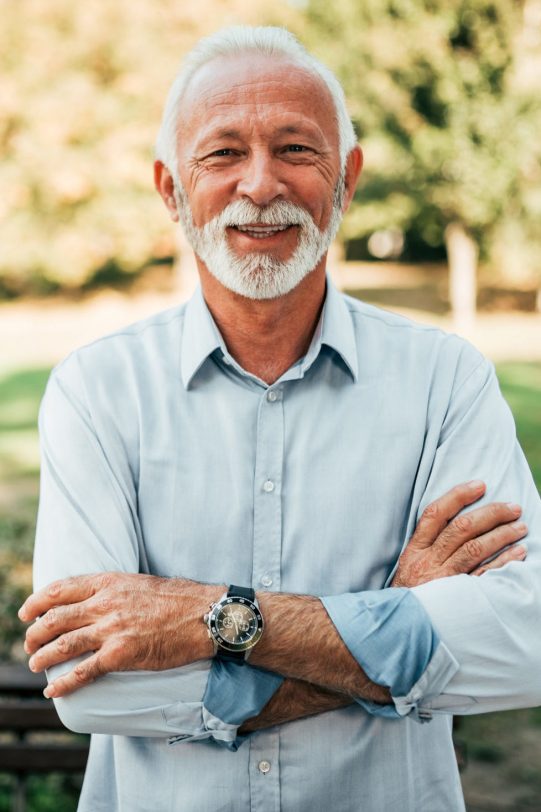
[[447, 134], [82, 87]]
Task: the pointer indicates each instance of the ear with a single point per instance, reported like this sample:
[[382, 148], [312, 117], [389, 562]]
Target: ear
[[165, 186], [354, 165]]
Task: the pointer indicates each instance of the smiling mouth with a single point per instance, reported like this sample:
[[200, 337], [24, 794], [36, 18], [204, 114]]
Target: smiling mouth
[[261, 231]]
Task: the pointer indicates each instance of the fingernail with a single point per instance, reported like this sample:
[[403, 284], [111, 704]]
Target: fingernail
[[49, 692], [522, 551], [475, 484], [32, 664], [514, 508], [520, 527]]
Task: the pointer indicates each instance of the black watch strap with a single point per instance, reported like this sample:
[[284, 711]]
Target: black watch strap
[[241, 592], [236, 656]]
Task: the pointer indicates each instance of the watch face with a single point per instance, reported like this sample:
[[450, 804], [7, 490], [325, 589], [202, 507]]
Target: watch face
[[236, 624]]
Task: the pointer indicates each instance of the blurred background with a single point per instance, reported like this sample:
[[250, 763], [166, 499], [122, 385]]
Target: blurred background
[[445, 227]]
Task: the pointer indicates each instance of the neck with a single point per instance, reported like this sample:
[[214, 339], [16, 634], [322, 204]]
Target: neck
[[266, 336]]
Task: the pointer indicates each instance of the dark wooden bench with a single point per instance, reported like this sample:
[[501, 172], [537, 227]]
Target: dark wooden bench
[[29, 732]]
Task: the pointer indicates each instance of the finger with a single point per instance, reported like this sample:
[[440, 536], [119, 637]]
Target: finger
[[512, 554], [471, 525], [473, 553], [83, 674], [437, 514], [65, 591], [57, 621], [66, 647]]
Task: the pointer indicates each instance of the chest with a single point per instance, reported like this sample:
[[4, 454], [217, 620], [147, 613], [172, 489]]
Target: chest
[[302, 488]]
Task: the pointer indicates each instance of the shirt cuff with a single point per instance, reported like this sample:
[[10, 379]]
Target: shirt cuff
[[234, 693], [391, 636]]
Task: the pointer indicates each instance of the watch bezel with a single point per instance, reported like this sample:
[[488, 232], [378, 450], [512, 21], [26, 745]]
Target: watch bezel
[[226, 644]]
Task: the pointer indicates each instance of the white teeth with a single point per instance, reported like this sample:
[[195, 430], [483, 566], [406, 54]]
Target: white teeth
[[262, 231]]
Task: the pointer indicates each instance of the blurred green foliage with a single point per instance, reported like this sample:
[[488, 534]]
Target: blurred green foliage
[[445, 97], [440, 91], [52, 793], [82, 87]]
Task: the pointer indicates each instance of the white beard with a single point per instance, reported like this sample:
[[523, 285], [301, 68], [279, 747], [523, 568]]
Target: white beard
[[258, 275]]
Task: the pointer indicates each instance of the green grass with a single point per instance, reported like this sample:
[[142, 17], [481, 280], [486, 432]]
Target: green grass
[[521, 386], [20, 395]]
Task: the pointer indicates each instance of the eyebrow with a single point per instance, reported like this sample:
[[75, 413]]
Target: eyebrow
[[225, 133], [288, 129]]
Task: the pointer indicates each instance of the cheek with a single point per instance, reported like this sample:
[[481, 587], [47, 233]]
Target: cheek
[[209, 200]]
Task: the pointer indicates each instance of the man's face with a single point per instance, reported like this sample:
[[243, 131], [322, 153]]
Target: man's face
[[260, 187]]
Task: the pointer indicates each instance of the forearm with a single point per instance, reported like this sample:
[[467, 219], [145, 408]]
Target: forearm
[[301, 642], [295, 700]]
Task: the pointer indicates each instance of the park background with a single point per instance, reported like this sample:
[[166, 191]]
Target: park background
[[444, 227]]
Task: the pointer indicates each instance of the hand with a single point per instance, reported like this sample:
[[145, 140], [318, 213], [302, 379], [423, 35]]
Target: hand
[[127, 621], [447, 544]]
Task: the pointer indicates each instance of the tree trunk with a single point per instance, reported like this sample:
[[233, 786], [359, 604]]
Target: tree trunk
[[462, 254]]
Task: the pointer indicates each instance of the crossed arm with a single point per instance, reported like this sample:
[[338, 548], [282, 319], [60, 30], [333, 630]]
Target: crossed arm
[[136, 622]]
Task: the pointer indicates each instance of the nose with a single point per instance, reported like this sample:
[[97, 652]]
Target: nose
[[260, 181]]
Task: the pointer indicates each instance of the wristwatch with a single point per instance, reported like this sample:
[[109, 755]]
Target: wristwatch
[[235, 624]]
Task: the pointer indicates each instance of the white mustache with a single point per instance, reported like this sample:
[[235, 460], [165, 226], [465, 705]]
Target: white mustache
[[244, 213]]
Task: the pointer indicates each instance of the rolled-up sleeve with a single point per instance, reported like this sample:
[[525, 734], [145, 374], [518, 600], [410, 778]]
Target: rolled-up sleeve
[[392, 638]]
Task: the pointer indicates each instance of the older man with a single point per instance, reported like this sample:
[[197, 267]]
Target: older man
[[275, 435]]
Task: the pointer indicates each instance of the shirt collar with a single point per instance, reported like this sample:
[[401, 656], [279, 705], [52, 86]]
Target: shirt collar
[[201, 336], [335, 330]]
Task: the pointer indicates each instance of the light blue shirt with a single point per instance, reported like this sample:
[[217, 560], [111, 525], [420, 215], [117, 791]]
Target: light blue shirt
[[161, 455]]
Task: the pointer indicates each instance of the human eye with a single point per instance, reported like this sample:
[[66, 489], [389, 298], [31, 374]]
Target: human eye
[[296, 148]]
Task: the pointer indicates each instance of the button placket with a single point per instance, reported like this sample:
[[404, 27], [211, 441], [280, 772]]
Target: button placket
[[267, 539], [265, 772]]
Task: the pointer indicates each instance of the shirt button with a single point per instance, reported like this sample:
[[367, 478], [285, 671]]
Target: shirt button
[[272, 396], [268, 486], [266, 580], [264, 767]]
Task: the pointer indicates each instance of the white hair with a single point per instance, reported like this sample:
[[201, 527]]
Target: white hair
[[234, 41]]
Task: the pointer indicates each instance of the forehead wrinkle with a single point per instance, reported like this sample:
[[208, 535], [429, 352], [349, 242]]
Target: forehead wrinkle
[[208, 94]]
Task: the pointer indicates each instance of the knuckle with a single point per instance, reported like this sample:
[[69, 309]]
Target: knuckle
[[105, 605], [431, 511], [417, 568], [497, 512], [107, 579], [475, 549], [463, 524], [460, 564], [80, 674], [50, 619], [53, 590], [64, 644]]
